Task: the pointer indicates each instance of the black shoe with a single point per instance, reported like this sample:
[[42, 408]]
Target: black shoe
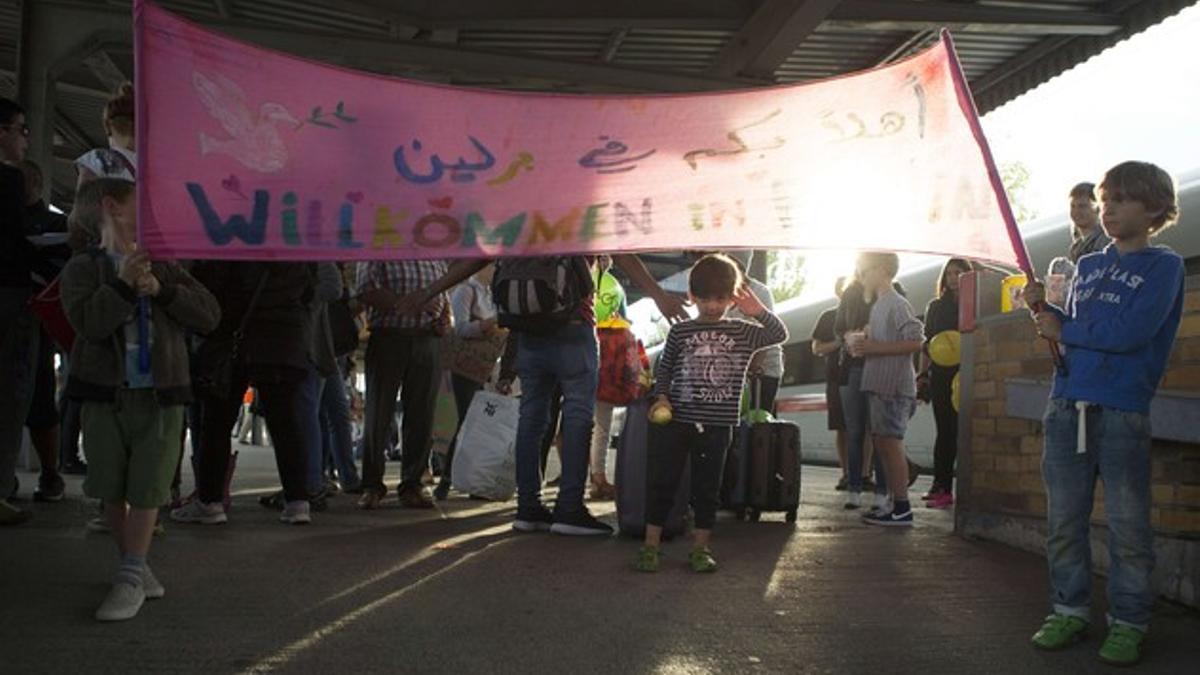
[[320, 502], [442, 491], [74, 467], [868, 485], [580, 524], [554, 481], [49, 489], [537, 519], [841, 485]]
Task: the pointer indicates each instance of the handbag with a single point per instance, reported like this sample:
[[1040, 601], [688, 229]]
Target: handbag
[[472, 358], [47, 306], [212, 374], [344, 327], [621, 367]]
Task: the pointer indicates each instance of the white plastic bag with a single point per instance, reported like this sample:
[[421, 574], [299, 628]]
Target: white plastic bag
[[485, 453]]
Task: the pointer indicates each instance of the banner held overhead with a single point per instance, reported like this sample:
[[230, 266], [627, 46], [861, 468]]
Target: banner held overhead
[[246, 153]]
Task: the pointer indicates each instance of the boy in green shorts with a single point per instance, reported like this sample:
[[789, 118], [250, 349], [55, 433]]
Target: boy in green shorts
[[129, 367]]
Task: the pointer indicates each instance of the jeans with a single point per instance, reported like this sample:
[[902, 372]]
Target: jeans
[[407, 365], [336, 435], [570, 358], [601, 438], [1118, 451], [464, 391], [18, 355], [308, 411], [855, 413]]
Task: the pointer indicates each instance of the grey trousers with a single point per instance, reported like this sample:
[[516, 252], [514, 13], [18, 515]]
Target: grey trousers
[[407, 365]]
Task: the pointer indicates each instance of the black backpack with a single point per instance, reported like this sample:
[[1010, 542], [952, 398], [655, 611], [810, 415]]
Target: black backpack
[[537, 295]]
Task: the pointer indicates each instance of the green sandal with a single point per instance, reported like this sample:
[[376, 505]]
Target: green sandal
[[647, 559], [1060, 631], [702, 561], [1123, 646]]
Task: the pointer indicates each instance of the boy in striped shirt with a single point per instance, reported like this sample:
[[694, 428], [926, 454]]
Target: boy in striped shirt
[[699, 381]]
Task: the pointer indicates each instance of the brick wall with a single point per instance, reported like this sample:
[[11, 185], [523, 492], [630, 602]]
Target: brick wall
[[1006, 374]]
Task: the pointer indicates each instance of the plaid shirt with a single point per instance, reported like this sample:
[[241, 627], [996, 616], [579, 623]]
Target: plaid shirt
[[401, 277]]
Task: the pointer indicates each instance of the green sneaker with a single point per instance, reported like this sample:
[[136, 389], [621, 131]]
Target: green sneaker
[[702, 561], [647, 559], [1060, 631], [1123, 646]]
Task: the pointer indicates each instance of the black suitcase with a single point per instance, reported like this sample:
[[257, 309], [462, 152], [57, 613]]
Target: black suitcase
[[633, 476], [762, 472]]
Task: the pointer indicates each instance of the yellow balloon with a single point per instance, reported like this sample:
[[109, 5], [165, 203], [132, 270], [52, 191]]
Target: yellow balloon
[[954, 392], [945, 348]]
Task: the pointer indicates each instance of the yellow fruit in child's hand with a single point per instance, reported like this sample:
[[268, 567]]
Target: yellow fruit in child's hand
[[661, 414]]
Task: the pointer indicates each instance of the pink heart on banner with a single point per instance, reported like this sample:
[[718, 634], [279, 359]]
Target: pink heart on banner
[[442, 203], [232, 184], [355, 197]]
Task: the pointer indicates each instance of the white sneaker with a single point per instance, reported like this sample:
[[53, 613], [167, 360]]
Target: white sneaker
[[122, 602], [296, 513], [853, 501], [197, 511], [150, 584]]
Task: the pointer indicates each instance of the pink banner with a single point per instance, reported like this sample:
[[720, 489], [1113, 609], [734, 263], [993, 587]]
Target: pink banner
[[245, 153]]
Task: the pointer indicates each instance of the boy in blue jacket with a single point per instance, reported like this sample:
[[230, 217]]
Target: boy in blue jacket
[[1117, 330]]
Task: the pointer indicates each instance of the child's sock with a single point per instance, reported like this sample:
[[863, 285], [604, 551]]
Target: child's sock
[[131, 568], [901, 507]]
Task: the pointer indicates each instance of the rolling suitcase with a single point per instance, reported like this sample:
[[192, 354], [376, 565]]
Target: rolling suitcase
[[762, 472], [633, 476]]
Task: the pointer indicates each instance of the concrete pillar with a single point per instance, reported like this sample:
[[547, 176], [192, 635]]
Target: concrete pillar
[[52, 39]]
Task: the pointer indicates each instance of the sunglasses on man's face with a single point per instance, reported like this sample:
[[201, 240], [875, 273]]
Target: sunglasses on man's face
[[22, 128]]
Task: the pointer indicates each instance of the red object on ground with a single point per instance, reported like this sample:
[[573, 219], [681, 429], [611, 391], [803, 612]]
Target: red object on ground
[[801, 403]]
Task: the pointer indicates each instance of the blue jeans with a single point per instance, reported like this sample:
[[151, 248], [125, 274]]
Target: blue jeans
[[1118, 451], [308, 404], [855, 413], [18, 353], [336, 441], [569, 357]]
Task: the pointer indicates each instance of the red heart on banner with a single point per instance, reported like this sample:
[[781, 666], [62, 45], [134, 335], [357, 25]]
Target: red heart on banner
[[442, 202]]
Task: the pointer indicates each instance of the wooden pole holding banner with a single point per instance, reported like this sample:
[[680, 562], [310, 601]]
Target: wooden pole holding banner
[[967, 103]]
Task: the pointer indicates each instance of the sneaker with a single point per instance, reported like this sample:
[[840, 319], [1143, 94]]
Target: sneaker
[[537, 519], [319, 502], [581, 524], [199, 512], [842, 484], [49, 489], [10, 514], [702, 561], [150, 585], [853, 501], [942, 500], [296, 513], [883, 504], [647, 559], [1123, 646], [122, 602], [890, 519], [1059, 631], [868, 485], [98, 525], [933, 492]]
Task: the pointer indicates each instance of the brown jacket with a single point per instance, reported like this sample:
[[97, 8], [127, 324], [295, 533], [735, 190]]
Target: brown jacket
[[98, 304]]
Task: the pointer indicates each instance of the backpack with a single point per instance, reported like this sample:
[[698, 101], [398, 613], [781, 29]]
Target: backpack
[[537, 295]]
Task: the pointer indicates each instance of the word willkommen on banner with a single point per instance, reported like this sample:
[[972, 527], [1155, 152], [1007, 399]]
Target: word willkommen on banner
[[245, 153]]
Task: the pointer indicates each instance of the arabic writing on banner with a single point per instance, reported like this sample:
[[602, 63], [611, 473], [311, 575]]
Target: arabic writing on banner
[[250, 154]]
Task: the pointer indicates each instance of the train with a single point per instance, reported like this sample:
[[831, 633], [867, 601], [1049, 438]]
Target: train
[[801, 396]]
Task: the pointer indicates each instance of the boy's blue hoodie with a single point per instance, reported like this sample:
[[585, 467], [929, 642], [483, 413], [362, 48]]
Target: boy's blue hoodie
[[1119, 326]]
